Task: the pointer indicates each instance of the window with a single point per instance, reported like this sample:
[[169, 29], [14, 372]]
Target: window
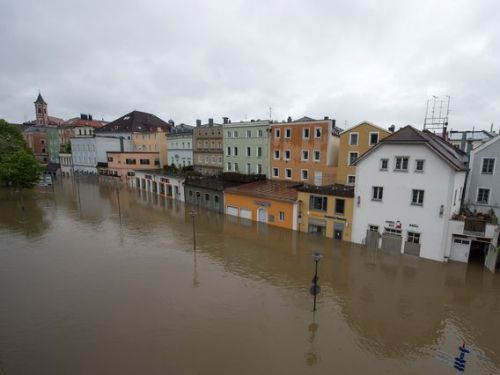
[[305, 155], [401, 163], [207, 198], [373, 228], [130, 161], [287, 155], [236, 151], [317, 132], [277, 154], [318, 203], [392, 231], [304, 174], [200, 159], [219, 160], [259, 168], [282, 216], [317, 155], [276, 172], [351, 180], [157, 161], [352, 157], [378, 192], [455, 198], [277, 133], [483, 195], [260, 132], [249, 133], [339, 206], [288, 173], [216, 201], [288, 133], [235, 134], [488, 166], [417, 197], [190, 193], [212, 159], [249, 152], [228, 153], [144, 161], [249, 168], [229, 167], [353, 139], [419, 165], [373, 138], [110, 158], [259, 152], [305, 133], [384, 164], [236, 169], [413, 237], [206, 159]]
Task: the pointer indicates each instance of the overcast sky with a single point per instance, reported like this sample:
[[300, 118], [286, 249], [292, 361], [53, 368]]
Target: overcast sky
[[351, 60]]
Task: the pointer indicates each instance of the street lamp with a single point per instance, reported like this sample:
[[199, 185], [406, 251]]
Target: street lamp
[[117, 189], [193, 214], [315, 289]]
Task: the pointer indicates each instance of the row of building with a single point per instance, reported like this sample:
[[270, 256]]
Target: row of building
[[406, 191]]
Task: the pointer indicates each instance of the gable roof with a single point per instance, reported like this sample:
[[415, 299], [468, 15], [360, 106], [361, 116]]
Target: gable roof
[[135, 122], [367, 123], [79, 122], [409, 135], [485, 144]]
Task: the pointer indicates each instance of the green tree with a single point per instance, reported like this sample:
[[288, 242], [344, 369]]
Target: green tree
[[20, 169], [11, 140]]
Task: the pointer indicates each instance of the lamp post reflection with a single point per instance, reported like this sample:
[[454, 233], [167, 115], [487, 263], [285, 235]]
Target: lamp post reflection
[[193, 215], [315, 289]]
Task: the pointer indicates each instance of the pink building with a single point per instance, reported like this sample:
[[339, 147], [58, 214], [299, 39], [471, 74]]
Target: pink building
[[123, 164]]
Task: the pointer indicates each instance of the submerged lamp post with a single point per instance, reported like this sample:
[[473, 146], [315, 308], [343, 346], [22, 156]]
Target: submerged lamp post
[[193, 214], [315, 289]]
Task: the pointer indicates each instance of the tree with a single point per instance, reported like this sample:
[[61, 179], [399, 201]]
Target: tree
[[20, 169], [11, 140]]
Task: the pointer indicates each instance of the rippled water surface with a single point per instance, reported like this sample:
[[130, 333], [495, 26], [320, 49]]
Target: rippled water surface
[[84, 293]]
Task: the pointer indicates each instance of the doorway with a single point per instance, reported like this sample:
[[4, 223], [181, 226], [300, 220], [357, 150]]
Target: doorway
[[262, 215]]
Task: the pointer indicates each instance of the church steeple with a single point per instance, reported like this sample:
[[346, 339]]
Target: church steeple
[[42, 118]]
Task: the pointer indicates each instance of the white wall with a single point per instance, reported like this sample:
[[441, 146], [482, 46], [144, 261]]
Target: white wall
[[396, 203]]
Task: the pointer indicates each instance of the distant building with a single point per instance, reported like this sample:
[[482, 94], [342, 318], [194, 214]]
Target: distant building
[[37, 138], [123, 164], [207, 148], [82, 126], [66, 162], [42, 116], [475, 138], [246, 147], [160, 182], [180, 146], [354, 142], [89, 154], [305, 150]]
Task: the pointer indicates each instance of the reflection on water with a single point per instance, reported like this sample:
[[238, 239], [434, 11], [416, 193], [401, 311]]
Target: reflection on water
[[83, 292]]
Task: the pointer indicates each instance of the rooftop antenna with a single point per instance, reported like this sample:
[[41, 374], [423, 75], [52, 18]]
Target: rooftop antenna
[[437, 119], [270, 113]]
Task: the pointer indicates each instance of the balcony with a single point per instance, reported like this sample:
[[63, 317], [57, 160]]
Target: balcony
[[480, 225]]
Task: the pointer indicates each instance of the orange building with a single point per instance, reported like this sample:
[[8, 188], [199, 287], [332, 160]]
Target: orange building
[[354, 142], [152, 141], [304, 150], [123, 164], [267, 201]]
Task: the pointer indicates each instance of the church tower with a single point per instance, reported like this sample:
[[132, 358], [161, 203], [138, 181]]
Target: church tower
[[42, 118]]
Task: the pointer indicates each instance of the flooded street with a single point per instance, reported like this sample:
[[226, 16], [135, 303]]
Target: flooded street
[[83, 292]]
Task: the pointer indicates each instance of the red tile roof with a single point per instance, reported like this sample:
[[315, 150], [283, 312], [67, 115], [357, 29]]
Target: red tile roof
[[270, 189]]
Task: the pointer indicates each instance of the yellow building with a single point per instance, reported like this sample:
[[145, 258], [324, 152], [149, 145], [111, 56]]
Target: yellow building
[[327, 210], [355, 142], [152, 142]]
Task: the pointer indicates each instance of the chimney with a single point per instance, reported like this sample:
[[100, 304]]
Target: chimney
[[198, 123], [463, 141], [327, 118], [392, 128], [122, 148], [469, 147], [225, 120], [90, 117], [210, 122], [445, 133], [83, 116], [289, 119]]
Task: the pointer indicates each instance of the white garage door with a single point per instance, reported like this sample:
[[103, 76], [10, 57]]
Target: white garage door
[[245, 214], [233, 211], [460, 250]]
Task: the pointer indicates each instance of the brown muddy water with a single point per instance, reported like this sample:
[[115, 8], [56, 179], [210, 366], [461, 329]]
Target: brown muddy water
[[83, 293]]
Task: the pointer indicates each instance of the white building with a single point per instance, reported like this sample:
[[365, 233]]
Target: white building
[[66, 161], [89, 152], [180, 146], [408, 187], [162, 183]]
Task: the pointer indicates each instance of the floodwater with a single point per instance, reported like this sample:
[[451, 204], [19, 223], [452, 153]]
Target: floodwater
[[83, 292]]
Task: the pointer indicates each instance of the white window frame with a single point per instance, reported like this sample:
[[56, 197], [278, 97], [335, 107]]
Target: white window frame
[[259, 168], [286, 173], [316, 136], [422, 197], [229, 166], [402, 161], [248, 151], [370, 138], [381, 164], [304, 133], [288, 130], [350, 164], [302, 175], [494, 165], [249, 133], [314, 155], [260, 133], [249, 168], [281, 216], [477, 195], [377, 193], [416, 166], [289, 155], [351, 183], [350, 139], [413, 237], [302, 156], [277, 133], [276, 172], [228, 151], [258, 151], [274, 154]]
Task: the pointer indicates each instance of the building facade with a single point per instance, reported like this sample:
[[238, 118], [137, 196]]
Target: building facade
[[154, 141], [180, 146], [123, 164], [160, 182], [246, 147], [37, 138], [408, 188], [305, 150], [327, 210], [66, 162], [355, 142], [208, 156]]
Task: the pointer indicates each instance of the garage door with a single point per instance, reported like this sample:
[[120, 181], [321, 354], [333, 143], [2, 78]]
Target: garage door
[[233, 211], [460, 250], [245, 214]]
